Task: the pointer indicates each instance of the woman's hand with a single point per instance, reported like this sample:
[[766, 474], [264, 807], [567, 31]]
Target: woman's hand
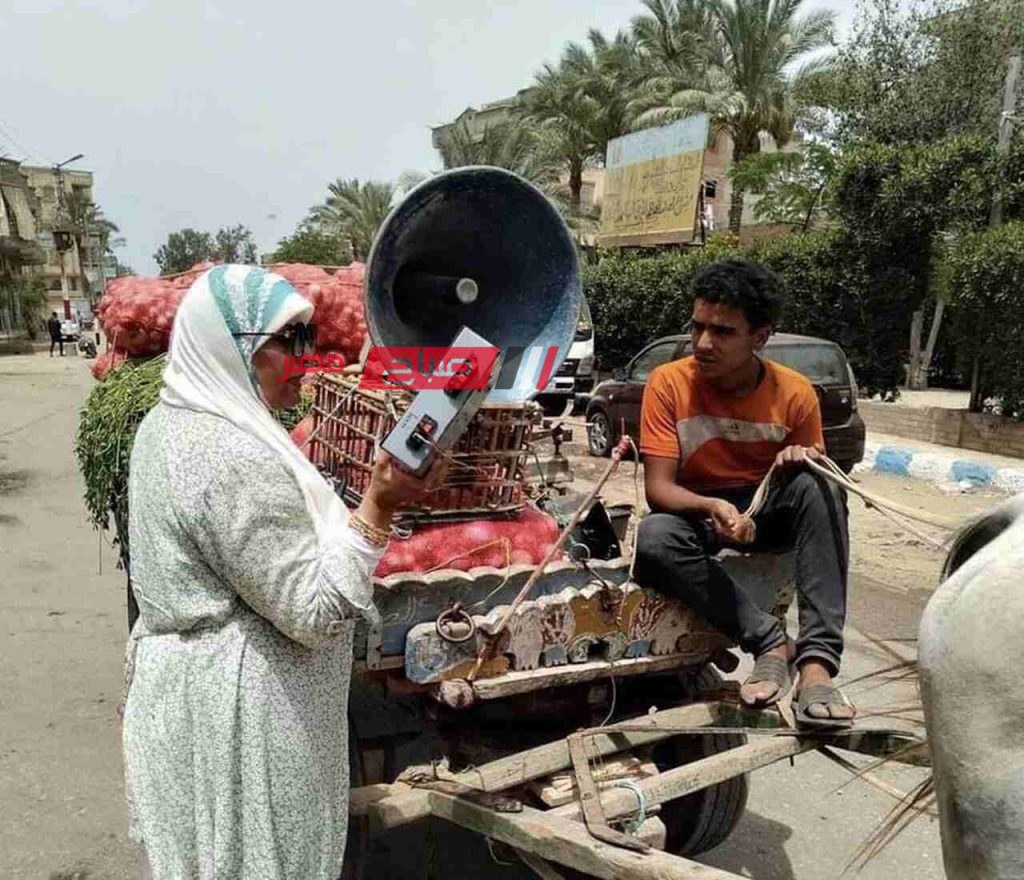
[[391, 486]]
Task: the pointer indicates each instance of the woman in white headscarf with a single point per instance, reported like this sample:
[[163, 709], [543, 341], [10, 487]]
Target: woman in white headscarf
[[249, 574]]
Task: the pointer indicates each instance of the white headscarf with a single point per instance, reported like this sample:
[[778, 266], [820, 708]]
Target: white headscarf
[[210, 371]]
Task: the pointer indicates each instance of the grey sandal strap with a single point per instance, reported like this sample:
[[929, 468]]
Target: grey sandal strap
[[770, 667], [825, 694]]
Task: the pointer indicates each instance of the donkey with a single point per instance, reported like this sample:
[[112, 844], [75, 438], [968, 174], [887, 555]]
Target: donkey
[[973, 697]]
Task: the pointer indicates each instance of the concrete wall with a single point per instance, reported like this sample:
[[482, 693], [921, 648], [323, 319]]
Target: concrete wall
[[947, 427]]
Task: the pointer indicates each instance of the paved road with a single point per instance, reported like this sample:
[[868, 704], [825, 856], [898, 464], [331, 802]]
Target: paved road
[[61, 810]]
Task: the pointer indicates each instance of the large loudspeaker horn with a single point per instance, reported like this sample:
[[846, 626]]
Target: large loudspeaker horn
[[477, 247]]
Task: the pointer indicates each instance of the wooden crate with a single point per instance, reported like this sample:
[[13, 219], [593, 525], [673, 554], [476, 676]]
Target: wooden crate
[[486, 471]]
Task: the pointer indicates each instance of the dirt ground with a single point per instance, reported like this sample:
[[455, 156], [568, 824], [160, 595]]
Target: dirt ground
[[879, 550], [62, 608]]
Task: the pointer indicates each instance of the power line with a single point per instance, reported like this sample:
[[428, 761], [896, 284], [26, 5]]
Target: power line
[[11, 139]]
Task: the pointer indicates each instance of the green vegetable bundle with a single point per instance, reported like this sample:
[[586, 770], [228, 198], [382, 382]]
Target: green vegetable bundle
[[106, 432]]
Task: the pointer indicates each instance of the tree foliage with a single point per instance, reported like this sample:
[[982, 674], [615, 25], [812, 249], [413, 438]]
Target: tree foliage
[[313, 246], [830, 292], [186, 247], [87, 220], [25, 299], [511, 145], [183, 250], [234, 244], [920, 71], [793, 187], [985, 277], [354, 211], [735, 60], [858, 282]]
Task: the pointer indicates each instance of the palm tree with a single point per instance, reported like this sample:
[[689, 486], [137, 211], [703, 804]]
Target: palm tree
[[513, 145], [606, 73], [673, 39], [516, 146], [86, 220], [736, 66], [354, 211], [582, 102]]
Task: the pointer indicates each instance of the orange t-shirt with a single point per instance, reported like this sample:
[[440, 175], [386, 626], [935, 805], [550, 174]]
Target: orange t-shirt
[[723, 442]]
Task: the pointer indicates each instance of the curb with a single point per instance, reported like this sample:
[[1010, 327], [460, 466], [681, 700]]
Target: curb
[[951, 473]]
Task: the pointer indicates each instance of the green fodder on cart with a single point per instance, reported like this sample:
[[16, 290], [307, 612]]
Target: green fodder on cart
[[106, 431]]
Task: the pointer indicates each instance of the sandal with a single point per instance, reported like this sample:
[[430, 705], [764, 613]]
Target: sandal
[[777, 670], [825, 695]]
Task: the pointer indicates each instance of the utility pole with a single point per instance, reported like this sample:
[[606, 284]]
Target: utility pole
[[61, 237], [995, 217]]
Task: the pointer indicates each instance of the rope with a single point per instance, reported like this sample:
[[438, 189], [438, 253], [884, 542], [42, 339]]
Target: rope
[[487, 649], [895, 513], [825, 467], [634, 517], [504, 543]]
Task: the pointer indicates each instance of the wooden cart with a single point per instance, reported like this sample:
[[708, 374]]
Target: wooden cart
[[517, 703], [620, 753]]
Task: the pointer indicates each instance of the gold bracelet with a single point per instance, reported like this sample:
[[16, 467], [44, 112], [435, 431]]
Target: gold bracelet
[[377, 537]]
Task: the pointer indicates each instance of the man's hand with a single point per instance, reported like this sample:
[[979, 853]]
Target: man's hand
[[725, 517], [796, 455], [730, 523]]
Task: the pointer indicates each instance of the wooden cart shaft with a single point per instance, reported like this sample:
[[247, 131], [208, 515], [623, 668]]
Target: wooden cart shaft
[[483, 799]]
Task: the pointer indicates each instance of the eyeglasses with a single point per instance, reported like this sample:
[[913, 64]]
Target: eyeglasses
[[300, 338]]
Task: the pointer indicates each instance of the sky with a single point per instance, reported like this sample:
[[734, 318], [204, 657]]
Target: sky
[[209, 114]]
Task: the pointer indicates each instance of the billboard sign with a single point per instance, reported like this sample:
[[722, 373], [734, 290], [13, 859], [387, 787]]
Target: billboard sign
[[652, 184]]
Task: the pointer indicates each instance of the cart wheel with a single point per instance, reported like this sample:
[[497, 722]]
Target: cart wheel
[[357, 846], [701, 821]]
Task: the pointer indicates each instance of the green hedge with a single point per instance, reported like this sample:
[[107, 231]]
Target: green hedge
[[836, 291], [635, 299], [986, 286], [829, 293]]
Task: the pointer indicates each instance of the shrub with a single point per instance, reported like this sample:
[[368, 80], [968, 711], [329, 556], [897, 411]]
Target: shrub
[[858, 284], [635, 299], [24, 299], [985, 275], [829, 293], [833, 291]]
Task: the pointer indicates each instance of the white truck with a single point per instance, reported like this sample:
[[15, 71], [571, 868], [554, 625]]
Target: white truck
[[576, 375]]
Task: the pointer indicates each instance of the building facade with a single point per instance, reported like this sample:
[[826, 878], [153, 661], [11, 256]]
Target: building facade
[[19, 249], [73, 276]]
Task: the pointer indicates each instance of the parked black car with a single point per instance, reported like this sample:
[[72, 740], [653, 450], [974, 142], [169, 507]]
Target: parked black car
[[617, 401]]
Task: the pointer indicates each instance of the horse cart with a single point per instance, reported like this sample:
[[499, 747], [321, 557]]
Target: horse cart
[[583, 722]]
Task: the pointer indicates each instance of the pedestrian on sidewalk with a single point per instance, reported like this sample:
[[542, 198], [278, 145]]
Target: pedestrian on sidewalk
[[56, 337], [250, 574]]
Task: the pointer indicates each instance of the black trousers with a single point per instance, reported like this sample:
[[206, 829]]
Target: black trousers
[[804, 512], [57, 340]]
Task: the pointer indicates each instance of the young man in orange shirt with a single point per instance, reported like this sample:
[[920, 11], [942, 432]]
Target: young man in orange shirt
[[712, 426]]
